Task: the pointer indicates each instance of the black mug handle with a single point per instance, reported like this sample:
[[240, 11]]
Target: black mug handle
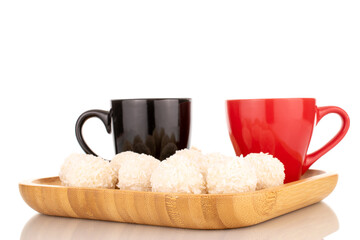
[[104, 116]]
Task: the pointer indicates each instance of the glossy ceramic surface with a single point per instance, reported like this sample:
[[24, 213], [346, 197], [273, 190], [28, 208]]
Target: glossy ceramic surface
[[281, 127], [157, 127]]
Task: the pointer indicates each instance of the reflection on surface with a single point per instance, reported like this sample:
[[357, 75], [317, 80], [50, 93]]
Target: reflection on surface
[[159, 144], [313, 222]]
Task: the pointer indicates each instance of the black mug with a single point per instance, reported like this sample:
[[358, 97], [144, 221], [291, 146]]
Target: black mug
[[156, 127]]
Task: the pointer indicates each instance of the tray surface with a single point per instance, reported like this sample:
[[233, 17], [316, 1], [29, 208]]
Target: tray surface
[[197, 211]]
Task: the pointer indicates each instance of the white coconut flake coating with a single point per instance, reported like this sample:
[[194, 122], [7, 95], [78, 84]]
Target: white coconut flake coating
[[85, 170], [135, 172], [200, 160], [178, 174], [120, 157], [193, 155], [269, 170], [216, 157], [230, 175]]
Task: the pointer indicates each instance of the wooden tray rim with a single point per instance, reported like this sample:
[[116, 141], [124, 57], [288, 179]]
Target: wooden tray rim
[[318, 174]]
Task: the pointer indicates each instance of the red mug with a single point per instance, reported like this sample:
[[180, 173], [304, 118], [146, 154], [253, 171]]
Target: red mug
[[281, 127]]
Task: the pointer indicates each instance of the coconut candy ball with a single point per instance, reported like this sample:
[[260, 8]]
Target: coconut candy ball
[[230, 175], [178, 174], [135, 172], [120, 157], [86, 170], [269, 170], [194, 156]]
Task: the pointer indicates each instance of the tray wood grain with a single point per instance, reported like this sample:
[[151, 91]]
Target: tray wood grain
[[196, 211]]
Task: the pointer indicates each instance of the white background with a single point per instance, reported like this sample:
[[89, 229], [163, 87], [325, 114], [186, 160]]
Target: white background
[[61, 58]]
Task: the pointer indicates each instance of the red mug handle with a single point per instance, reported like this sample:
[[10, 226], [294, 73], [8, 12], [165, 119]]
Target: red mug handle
[[320, 113]]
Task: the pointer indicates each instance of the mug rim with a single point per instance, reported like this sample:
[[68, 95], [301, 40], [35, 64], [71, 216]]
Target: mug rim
[[151, 99], [266, 99]]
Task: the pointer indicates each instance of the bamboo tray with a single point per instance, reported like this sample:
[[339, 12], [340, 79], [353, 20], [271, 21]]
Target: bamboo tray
[[197, 211]]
